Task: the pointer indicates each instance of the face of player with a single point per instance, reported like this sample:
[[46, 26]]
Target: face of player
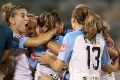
[[60, 26], [20, 20]]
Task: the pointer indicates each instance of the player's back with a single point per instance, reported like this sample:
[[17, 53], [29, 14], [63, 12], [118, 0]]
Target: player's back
[[85, 62]]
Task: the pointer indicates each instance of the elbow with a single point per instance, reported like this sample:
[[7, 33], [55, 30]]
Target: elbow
[[109, 68]]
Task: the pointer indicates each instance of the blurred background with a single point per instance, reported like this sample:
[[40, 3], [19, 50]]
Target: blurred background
[[109, 10]]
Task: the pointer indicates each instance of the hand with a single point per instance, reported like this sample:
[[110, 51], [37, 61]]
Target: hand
[[45, 76], [44, 58]]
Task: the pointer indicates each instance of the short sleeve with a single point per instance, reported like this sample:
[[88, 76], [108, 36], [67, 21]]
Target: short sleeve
[[105, 60], [9, 39], [22, 40], [65, 50]]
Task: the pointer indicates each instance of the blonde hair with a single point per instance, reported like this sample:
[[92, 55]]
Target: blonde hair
[[48, 20], [8, 10], [90, 27], [85, 16], [105, 26]]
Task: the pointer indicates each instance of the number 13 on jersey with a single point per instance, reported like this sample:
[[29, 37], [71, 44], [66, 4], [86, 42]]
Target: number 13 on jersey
[[94, 53]]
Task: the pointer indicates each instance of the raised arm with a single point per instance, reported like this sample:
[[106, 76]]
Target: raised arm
[[41, 39]]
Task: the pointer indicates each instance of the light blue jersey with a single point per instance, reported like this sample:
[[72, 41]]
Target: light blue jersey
[[85, 59], [43, 48], [19, 41]]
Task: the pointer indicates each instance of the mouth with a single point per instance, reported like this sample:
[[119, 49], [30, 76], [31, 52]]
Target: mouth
[[26, 24]]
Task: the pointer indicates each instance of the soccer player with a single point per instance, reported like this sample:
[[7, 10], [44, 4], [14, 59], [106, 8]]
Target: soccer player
[[84, 49], [46, 21], [17, 19], [5, 41]]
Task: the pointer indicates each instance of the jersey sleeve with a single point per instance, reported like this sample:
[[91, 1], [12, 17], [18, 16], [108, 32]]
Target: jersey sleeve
[[22, 40], [67, 45], [105, 60], [9, 39], [66, 49]]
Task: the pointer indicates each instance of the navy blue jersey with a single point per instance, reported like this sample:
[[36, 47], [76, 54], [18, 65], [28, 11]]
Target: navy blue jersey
[[5, 39]]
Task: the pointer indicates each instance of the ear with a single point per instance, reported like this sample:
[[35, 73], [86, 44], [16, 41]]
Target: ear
[[12, 21]]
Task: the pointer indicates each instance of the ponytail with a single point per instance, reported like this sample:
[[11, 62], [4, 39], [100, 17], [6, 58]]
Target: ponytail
[[85, 17], [90, 27]]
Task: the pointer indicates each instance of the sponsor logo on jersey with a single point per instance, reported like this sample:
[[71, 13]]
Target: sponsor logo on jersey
[[63, 48]]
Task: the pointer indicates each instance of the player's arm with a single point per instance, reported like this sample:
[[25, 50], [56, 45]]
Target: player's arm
[[63, 56], [110, 45], [106, 63], [53, 47], [111, 67], [55, 63], [112, 51], [41, 39]]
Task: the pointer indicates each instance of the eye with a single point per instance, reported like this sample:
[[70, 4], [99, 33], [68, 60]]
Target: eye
[[23, 16]]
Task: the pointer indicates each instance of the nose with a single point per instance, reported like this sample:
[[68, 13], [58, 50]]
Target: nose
[[26, 19]]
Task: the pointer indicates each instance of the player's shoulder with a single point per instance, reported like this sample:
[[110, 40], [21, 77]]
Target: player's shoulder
[[74, 34], [100, 36]]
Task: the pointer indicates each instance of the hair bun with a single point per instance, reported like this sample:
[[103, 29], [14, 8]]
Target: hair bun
[[6, 8]]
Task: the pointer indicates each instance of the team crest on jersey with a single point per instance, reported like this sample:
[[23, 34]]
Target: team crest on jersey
[[63, 48]]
